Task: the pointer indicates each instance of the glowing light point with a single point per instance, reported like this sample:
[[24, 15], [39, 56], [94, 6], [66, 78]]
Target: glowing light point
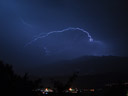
[[91, 40], [46, 90], [70, 89]]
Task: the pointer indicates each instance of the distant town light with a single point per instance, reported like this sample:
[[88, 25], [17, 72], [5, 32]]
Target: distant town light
[[92, 90], [46, 89], [70, 89]]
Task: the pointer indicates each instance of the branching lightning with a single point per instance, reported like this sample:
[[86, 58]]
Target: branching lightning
[[26, 24], [61, 31]]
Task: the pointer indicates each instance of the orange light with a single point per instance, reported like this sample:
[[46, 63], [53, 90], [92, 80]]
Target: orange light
[[70, 89], [92, 90], [46, 89]]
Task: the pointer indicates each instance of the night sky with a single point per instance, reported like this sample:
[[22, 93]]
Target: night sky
[[21, 21]]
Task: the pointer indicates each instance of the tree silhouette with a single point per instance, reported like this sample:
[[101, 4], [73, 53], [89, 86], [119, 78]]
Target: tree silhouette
[[15, 85]]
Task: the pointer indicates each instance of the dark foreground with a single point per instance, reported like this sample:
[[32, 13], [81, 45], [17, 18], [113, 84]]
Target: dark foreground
[[12, 84], [67, 94]]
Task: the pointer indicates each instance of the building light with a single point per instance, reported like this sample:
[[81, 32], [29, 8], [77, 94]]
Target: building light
[[70, 89], [46, 89], [92, 90]]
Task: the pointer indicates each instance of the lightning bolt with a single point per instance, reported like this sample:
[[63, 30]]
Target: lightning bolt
[[42, 35]]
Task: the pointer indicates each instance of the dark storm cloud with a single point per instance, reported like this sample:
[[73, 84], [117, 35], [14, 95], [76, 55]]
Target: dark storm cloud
[[106, 20]]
